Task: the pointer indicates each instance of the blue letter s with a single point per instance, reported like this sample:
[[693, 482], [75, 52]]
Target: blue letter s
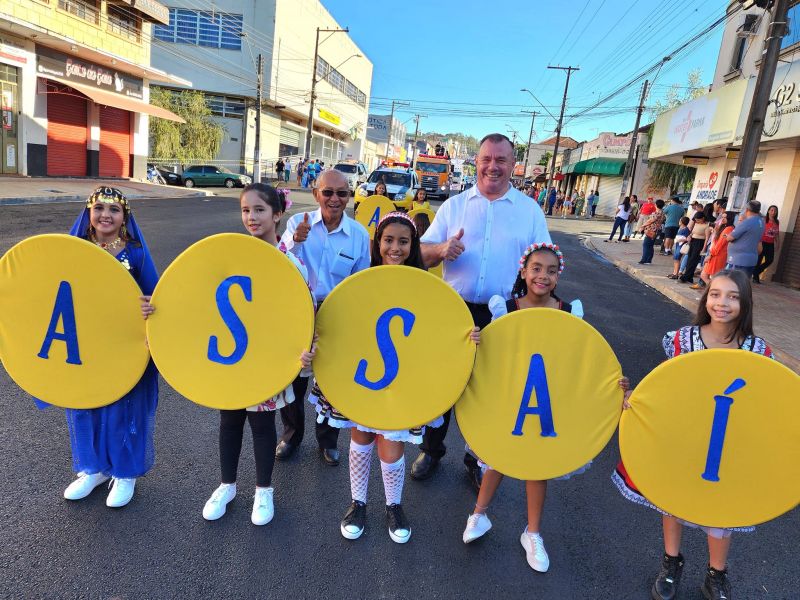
[[387, 349], [232, 320]]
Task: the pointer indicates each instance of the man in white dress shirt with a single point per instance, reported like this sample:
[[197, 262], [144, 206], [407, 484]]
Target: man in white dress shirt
[[333, 246], [480, 235]]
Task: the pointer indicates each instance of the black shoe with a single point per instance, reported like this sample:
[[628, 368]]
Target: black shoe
[[285, 450], [665, 586], [330, 456], [475, 474], [352, 525], [423, 466], [756, 280], [716, 585], [399, 529]]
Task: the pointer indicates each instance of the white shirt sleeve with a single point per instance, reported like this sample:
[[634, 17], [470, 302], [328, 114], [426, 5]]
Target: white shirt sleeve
[[577, 308], [288, 236], [497, 306], [438, 231]]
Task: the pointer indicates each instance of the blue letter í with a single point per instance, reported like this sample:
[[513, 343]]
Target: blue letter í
[[718, 428]]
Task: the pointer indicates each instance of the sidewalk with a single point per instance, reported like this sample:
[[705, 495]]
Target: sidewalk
[[777, 306], [42, 190]]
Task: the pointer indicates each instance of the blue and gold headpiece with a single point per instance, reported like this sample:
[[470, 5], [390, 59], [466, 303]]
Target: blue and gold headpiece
[[108, 195]]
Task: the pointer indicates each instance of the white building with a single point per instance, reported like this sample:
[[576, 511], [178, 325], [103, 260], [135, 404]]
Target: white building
[[389, 146], [219, 48]]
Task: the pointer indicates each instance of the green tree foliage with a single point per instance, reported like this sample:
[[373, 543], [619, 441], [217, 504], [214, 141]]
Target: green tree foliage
[[199, 138], [665, 174], [545, 160]]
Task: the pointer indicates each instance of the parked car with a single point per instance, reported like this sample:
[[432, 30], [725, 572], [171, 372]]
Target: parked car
[[213, 175], [169, 177], [356, 173], [400, 186]]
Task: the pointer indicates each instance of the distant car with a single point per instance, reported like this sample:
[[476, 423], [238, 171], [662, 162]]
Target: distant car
[[213, 175], [356, 173], [400, 186], [684, 198], [170, 177]]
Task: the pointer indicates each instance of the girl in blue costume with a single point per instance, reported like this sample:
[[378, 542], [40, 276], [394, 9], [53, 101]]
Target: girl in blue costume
[[116, 441]]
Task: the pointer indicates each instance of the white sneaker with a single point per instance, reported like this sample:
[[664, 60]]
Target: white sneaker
[[477, 525], [83, 485], [534, 549], [215, 506], [263, 509], [121, 492]]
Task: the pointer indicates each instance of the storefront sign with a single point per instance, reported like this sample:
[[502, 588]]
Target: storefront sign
[[151, 8], [329, 116], [69, 68], [705, 188], [607, 145], [12, 51], [783, 113]]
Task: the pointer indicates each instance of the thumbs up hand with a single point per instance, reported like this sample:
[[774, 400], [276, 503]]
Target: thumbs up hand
[[453, 247], [301, 233]]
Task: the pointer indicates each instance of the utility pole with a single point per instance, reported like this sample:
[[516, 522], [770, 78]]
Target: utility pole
[[390, 133], [528, 147], [740, 188], [259, 100], [310, 127], [416, 135], [569, 71], [634, 138]]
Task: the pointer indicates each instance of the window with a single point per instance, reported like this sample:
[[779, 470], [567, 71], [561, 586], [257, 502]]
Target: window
[[84, 9], [322, 69], [202, 28], [337, 80], [738, 54], [124, 23], [225, 106]]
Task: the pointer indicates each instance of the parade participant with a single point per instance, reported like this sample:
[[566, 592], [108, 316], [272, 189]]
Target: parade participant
[[262, 208], [697, 241], [724, 320], [420, 200], [539, 270], [396, 242], [332, 246], [679, 256], [718, 250], [623, 212], [477, 263], [769, 243], [651, 228], [116, 441], [380, 189]]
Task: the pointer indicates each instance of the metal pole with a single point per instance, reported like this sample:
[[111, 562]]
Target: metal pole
[[259, 100], [634, 138], [416, 134], [528, 148], [740, 188], [569, 71]]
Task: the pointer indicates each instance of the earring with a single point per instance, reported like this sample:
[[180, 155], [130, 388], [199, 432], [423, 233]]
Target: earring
[[123, 232]]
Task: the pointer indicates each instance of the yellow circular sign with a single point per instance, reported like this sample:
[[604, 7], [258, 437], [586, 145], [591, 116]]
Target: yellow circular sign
[[371, 210], [437, 270], [722, 449], [544, 397], [71, 327], [394, 348], [233, 315]]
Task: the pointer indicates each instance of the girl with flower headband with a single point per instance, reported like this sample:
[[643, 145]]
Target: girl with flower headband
[[262, 207], [116, 441], [396, 242], [539, 269]]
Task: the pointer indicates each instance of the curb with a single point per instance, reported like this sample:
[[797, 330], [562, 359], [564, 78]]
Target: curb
[[81, 198], [651, 281]]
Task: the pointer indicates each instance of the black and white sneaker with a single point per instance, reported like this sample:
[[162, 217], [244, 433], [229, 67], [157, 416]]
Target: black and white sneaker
[[665, 586], [353, 522], [399, 529], [716, 585]]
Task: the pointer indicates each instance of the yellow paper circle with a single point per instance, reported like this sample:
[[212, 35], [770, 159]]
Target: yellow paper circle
[[106, 357], [666, 438], [371, 210], [582, 378], [434, 360], [188, 327], [437, 270]]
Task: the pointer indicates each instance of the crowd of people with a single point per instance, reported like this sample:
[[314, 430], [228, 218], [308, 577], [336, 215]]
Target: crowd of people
[[493, 274], [557, 203]]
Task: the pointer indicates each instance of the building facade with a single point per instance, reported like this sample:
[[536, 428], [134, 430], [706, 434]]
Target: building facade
[[74, 83], [216, 47], [393, 146]]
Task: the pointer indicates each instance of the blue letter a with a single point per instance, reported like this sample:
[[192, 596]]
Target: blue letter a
[[232, 320], [375, 218], [387, 349], [536, 381], [63, 310]]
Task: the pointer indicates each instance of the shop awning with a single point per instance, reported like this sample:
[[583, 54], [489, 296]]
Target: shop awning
[[117, 100], [599, 166]]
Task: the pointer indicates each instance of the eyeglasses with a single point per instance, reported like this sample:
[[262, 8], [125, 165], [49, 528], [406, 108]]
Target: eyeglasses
[[340, 193]]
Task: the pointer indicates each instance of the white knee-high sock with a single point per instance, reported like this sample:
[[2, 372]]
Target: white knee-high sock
[[360, 459], [394, 475]]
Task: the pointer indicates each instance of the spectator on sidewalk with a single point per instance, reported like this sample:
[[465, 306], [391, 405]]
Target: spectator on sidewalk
[[595, 201], [679, 256], [769, 243], [632, 219], [580, 201], [645, 210], [287, 169], [672, 217], [694, 209], [698, 237], [542, 197], [651, 228], [279, 166], [551, 201], [623, 213], [744, 239], [301, 167]]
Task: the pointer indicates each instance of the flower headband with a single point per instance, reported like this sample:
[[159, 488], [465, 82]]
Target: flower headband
[[285, 192], [543, 246], [401, 215], [108, 195]]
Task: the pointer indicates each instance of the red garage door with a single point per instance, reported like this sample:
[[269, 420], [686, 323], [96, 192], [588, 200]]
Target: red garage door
[[66, 135], [115, 142]]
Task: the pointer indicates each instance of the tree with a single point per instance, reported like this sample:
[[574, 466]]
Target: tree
[[199, 138], [545, 160], [665, 174]]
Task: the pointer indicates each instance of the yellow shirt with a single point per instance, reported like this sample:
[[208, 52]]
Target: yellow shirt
[[426, 205]]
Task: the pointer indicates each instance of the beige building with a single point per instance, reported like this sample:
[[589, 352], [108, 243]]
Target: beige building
[[285, 33], [707, 132]]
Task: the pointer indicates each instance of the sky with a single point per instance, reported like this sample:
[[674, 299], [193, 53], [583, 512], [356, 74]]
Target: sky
[[463, 63]]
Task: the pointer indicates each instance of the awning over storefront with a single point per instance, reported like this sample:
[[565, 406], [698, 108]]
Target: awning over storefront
[[598, 166], [118, 100]]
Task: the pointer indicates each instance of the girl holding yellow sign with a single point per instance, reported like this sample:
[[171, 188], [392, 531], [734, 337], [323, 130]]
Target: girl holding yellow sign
[[724, 320]]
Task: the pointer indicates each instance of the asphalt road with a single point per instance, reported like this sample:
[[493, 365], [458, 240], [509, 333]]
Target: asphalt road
[[159, 546]]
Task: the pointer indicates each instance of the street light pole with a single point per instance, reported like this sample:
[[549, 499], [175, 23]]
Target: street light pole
[[416, 135], [528, 147], [391, 124], [259, 100], [310, 127], [634, 138], [569, 71]]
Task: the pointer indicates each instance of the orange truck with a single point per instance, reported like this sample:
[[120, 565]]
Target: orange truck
[[433, 173]]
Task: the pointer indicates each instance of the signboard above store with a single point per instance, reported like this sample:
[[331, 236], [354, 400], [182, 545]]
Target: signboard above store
[[329, 116], [782, 120], [68, 68]]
